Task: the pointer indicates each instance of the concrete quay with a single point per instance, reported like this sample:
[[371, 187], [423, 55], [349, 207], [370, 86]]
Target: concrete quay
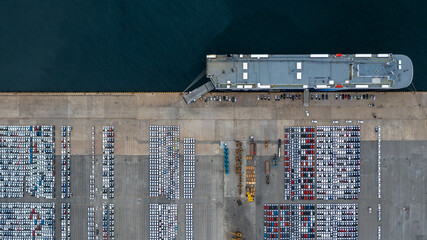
[[401, 115]]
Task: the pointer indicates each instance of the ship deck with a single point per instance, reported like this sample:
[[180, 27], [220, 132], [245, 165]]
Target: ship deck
[[315, 71]]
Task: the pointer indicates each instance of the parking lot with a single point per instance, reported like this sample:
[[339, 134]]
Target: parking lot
[[27, 221], [218, 209], [27, 152]]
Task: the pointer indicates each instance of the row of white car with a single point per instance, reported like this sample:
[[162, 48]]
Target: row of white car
[[189, 231], [108, 229], [27, 131], [338, 162], [92, 172], [163, 221], [337, 221], [108, 162], [66, 161], [378, 130], [189, 167], [91, 223], [65, 221], [164, 161]]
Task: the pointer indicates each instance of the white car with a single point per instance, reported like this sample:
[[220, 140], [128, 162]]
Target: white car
[[314, 121], [307, 114], [360, 121], [348, 121], [335, 121]]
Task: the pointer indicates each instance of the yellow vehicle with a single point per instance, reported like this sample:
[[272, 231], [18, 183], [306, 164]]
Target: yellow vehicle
[[237, 235], [249, 195], [250, 198]]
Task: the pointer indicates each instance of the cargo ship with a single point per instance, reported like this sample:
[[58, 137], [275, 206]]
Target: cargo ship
[[313, 72]]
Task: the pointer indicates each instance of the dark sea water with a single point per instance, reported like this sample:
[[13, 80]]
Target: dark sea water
[[160, 45]]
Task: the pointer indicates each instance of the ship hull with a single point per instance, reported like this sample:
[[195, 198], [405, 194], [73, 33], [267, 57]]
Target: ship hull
[[315, 72]]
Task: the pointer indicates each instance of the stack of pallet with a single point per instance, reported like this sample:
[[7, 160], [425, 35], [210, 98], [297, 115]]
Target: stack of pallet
[[250, 175], [238, 167]]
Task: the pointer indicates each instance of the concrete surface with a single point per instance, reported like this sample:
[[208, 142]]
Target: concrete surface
[[402, 117]]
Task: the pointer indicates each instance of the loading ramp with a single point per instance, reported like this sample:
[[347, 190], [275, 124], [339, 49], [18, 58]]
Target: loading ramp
[[198, 92]]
